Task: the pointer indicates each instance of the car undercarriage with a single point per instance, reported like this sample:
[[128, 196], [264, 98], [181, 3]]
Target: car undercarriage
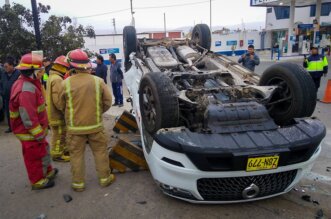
[[219, 116]]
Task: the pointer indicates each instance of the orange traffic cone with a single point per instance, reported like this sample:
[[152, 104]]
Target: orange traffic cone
[[327, 95]]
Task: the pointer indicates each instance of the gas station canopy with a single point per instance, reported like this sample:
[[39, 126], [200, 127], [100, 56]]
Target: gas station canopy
[[274, 3]]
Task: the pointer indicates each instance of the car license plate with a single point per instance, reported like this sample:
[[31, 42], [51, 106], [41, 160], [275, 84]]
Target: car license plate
[[262, 163]]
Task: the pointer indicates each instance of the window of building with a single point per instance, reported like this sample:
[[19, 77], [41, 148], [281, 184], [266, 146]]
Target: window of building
[[269, 10], [325, 10], [282, 12]]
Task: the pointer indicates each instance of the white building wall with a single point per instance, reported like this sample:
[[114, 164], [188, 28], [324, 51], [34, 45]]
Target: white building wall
[[219, 42], [113, 42], [302, 15], [116, 42]]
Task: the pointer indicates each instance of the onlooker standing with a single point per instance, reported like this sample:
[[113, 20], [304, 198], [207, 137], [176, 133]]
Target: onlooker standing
[[101, 70], [316, 65], [7, 80], [116, 77], [47, 65], [2, 114], [250, 59]]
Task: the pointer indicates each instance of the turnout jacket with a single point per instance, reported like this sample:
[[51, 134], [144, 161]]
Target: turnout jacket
[[53, 90], [84, 98], [28, 117]]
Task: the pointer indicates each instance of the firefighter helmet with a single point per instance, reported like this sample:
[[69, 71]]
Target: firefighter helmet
[[30, 62], [60, 64], [61, 60], [78, 59]]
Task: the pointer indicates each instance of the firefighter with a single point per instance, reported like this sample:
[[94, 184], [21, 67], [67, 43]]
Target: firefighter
[[59, 151], [28, 119], [84, 99], [316, 65]]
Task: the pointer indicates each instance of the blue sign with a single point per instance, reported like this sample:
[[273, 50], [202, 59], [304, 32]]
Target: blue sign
[[103, 51], [305, 26], [109, 51], [250, 42], [231, 43], [113, 50], [218, 43]]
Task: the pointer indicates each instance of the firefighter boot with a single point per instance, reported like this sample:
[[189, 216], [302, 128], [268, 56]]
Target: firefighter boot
[[52, 174], [78, 187], [63, 158], [104, 182], [44, 183]]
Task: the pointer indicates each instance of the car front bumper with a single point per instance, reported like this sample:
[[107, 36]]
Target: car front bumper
[[178, 177]]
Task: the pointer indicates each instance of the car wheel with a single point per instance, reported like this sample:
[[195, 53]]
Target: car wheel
[[296, 93], [201, 35], [158, 102], [129, 44]]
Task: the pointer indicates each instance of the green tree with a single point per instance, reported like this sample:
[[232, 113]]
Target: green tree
[[16, 34], [58, 34]]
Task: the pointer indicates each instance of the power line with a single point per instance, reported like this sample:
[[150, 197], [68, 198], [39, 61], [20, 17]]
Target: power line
[[171, 6], [110, 12], [148, 7]]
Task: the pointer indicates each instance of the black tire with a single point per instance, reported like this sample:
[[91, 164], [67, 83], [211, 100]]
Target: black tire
[[158, 102], [129, 43], [201, 35], [295, 83]]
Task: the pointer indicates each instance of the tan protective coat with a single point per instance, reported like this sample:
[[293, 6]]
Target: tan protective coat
[[84, 98]]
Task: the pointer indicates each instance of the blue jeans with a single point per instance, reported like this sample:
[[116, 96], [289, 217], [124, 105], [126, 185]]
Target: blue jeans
[[117, 92]]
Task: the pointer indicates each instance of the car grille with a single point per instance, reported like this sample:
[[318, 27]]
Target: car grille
[[231, 189]]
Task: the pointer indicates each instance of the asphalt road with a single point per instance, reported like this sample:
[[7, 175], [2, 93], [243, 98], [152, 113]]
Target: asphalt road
[[135, 195]]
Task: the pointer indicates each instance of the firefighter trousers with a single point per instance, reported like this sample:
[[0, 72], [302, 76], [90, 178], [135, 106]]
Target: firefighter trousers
[[58, 141], [98, 144], [37, 159]]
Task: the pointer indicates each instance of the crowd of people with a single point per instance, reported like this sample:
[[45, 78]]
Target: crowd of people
[[65, 97]]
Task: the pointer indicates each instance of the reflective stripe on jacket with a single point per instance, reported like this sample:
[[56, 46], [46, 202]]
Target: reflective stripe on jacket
[[54, 88], [28, 115], [317, 65], [84, 98]]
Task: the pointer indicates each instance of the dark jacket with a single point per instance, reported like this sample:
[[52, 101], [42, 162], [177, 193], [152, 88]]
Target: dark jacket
[[248, 62], [101, 71], [116, 73], [7, 83]]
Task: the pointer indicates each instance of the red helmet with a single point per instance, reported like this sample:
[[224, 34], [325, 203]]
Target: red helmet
[[78, 59], [29, 61], [61, 60]]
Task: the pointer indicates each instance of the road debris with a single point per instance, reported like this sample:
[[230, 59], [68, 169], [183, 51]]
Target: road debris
[[319, 214], [106, 194], [306, 198], [67, 198], [315, 202], [142, 202], [42, 216]]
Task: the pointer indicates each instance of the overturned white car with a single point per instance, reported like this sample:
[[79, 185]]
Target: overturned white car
[[213, 131]]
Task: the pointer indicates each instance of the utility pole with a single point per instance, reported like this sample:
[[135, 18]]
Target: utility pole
[[74, 21], [114, 24], [210, 10], [165, 25], [132, 13], [36, 23], [7, 2]]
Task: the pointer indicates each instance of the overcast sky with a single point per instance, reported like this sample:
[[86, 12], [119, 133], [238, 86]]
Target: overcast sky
[[224, 12]]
